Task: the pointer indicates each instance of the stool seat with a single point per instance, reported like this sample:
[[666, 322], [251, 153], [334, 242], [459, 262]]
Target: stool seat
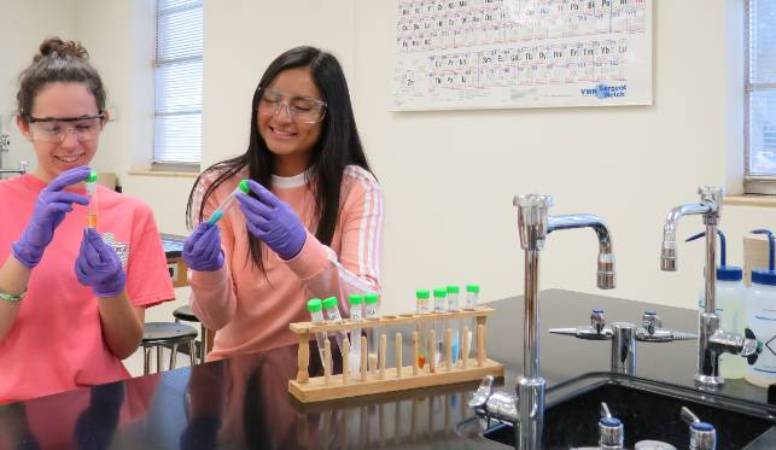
[[167, 333], [172, 334], [185, 313]]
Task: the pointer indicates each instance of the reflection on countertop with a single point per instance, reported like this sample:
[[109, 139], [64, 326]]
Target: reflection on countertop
[[243, 402]]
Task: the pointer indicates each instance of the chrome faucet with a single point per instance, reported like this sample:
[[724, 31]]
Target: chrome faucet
[[534, 224], [712, 341]]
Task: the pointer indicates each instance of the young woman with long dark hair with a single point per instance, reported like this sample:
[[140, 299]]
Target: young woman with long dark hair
[[311, 225]]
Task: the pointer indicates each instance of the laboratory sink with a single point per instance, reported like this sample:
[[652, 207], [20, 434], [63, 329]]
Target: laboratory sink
[[649, 410]]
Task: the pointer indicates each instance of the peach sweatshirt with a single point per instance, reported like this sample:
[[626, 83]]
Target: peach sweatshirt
[[251, 312]]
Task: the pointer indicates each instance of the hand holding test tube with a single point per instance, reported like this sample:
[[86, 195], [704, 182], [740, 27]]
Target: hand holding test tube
[[202, 250], [228, 202]]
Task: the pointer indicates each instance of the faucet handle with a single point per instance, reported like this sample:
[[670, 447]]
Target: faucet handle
[[491, 405], [605, 413], [482, 394], [714, 196], [651, 321], [532, 219], [533, 200], [651, 330], [598, 320], [611, 432], [703, 436], [597, 331], [711, 193], [751, 347]]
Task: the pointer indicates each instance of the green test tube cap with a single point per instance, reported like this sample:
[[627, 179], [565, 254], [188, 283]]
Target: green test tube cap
[[475, 288], [92, 177], [452, 289], [356, 299], [422, 294], [244, 186], [440, 292], [329, 303], [314, 305], [371, 298]]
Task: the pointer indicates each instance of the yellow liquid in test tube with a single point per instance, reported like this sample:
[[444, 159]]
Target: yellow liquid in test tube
[[91, 191]]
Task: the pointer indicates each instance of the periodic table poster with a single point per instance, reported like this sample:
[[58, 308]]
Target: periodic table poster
[[481, 54]]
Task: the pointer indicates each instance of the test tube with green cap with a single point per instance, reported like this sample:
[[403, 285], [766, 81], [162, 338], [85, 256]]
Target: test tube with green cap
[[472, 297], [455, 324], [356, 315], [314, 306], [371, 309], [372, 303], [422, 307], [228, 202], [440, 325], [91, 192], [332, 314]]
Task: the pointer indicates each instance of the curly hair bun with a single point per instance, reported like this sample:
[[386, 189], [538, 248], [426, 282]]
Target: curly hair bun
[[56, 47]]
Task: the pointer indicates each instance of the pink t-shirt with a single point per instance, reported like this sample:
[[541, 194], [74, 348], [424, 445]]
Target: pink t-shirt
[[56, 343]]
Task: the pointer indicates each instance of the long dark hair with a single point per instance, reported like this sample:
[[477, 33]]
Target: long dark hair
[[338, 146]]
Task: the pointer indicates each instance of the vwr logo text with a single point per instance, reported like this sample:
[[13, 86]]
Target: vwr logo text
[[603, 91]]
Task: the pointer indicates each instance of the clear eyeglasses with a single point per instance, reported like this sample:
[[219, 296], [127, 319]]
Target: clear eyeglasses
[[54, 129], [301, 109]]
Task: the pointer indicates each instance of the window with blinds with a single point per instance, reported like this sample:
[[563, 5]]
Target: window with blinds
[[178, 81], [760, 90]]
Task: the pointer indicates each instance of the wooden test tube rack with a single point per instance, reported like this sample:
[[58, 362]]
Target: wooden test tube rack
[[308, 389]]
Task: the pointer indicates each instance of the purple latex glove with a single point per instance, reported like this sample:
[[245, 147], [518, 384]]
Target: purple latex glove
[[202, 250], [49, 212], [273, 221], [99, 266]]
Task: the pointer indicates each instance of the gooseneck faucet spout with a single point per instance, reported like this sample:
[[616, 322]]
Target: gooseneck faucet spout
[[534, 224], [605, 276], [668, 252]]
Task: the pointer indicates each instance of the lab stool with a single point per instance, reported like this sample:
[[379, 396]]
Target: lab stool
[[185, 314], [162, 334]]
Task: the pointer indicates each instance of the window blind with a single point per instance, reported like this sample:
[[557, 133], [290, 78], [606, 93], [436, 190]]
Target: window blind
[[760, 90], [178, 82]]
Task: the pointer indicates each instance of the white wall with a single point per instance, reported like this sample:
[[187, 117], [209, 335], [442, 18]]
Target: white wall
[[23, 26], [449, 177]]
